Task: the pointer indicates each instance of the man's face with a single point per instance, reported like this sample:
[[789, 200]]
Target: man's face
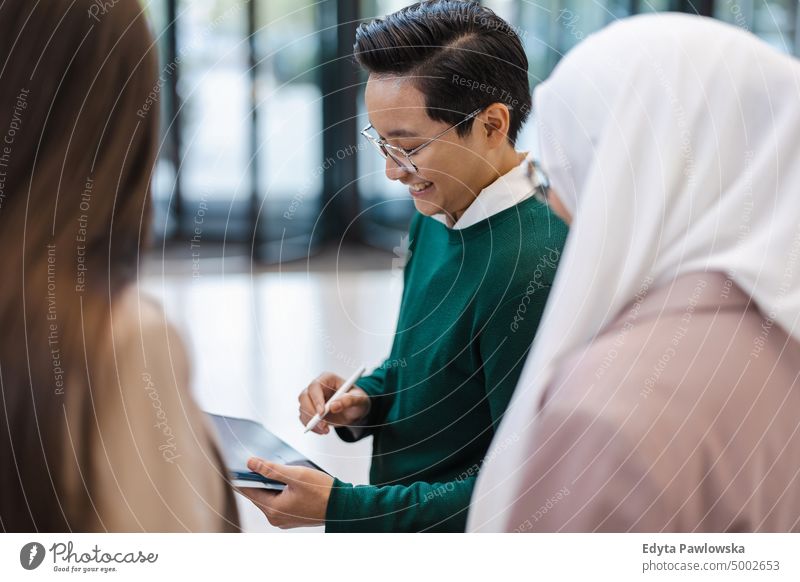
[[451, 170]]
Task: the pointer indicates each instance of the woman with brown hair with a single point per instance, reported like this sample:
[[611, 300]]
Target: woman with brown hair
[[98, 431]]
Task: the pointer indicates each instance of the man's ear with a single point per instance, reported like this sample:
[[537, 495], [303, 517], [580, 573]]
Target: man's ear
[[495, 122]]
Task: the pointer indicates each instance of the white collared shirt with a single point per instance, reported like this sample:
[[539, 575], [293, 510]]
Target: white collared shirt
[[508, 190]]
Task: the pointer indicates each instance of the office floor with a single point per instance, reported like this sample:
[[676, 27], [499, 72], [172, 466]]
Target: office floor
[[258, 336]]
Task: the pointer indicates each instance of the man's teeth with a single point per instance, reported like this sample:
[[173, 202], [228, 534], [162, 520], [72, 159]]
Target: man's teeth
[[420, 186]]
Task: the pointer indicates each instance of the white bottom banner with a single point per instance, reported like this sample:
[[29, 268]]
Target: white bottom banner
[[389, 557]]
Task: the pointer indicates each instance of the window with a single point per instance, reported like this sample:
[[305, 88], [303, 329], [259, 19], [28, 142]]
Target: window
[[289, 117], [261, 103]]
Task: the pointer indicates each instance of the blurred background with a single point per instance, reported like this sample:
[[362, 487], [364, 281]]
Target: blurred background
[[278, 242], [261, 105]]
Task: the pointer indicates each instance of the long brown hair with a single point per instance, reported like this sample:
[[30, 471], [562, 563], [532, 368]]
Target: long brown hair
[[75, 166]]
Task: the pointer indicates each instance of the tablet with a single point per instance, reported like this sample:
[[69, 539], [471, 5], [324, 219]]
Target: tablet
[[241, 439]]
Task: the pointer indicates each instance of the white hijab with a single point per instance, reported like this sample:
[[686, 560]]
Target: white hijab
[[674, 142]]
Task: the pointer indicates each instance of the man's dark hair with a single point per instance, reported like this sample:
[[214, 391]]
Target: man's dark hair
[[460, 55]]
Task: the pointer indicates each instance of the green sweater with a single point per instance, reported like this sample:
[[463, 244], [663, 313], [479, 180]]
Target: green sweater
[[472, 301]]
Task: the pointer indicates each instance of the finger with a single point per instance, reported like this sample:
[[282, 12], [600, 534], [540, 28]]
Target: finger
[[261, 498], [283, 473], [306, 407], [316, 394], [256, 494], [339, 405], [344, 402], [329, 383], [317, 429]]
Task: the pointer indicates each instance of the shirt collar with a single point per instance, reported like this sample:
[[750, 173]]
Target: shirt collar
[[508, 190]]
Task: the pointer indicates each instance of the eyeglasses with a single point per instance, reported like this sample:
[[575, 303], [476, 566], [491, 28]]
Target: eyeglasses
[[539, 180], [402, 157]]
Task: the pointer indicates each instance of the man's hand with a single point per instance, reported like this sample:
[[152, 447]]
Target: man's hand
[[304, 501], [347, 410]]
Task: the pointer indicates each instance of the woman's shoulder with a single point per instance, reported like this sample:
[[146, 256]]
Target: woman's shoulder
[[143, 349], [160, 467], [674, 364], [134, 306], [139, 323]]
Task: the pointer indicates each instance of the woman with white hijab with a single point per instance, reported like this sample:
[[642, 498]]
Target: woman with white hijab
[[662, 391]]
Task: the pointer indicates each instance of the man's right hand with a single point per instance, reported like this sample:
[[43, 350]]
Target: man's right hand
[[347, 410]]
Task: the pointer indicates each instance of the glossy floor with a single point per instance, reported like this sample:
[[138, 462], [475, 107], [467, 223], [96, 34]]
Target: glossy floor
[[256, 340]]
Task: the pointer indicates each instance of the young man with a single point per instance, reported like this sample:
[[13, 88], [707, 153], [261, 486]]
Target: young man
[[447, 94]]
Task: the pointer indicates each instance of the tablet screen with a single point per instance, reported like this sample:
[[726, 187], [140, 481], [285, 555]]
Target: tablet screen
[[241, 439]]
